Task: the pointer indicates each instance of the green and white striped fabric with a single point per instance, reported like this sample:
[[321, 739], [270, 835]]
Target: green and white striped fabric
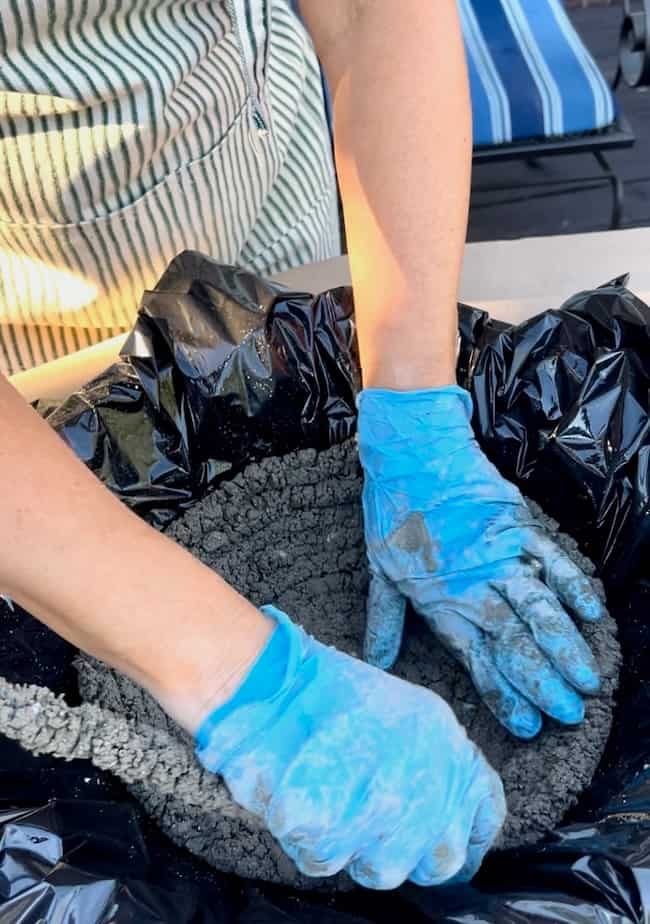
[[131, 130]]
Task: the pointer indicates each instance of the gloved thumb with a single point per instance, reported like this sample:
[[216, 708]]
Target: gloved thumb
[[385, 622]]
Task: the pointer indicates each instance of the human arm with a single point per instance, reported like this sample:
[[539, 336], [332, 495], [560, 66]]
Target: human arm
[[402, 128], [79, 560], [443, 529]]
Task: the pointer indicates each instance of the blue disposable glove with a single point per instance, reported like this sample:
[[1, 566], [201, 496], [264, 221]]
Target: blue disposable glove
[[352, 769], [445, 531]]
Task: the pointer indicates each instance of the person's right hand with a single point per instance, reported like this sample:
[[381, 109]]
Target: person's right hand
[[353, 769], [447, 533]]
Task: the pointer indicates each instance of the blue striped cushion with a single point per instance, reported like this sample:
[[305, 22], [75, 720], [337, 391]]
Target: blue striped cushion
[[530, 74]]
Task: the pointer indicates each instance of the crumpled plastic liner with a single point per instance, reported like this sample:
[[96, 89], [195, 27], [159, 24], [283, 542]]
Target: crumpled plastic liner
[[42, 881], [562, 409], [223, 368]]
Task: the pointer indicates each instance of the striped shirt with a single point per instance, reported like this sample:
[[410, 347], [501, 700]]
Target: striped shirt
[[131, 130]]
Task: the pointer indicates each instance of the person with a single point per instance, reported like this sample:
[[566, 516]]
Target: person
[[132, 129]]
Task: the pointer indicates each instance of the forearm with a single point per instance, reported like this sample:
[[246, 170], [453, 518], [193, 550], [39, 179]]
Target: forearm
[[81, 562], [403, 151]]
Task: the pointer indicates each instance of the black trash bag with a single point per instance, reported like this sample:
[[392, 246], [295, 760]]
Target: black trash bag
[[86, 862], [223, 368], [561, 407]]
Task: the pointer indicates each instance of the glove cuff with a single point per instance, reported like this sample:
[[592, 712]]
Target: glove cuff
[[259, 697], [445, 394], [400, 430], [439, 406]]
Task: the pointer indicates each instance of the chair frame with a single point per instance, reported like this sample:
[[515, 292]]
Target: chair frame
[[619, 135]]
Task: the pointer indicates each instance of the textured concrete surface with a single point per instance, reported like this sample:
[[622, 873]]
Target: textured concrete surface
[[289, 531]]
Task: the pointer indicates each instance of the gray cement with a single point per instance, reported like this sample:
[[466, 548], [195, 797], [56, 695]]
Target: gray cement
[[289, 531]]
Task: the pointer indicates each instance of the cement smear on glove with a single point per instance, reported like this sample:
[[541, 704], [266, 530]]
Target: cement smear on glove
[[289, 531]]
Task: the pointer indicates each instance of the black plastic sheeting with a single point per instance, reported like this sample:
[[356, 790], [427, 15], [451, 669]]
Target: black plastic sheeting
[[562, 409], [222, 368]]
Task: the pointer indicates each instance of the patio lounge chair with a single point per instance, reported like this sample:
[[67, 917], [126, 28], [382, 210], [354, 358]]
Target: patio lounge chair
[[536, 89]]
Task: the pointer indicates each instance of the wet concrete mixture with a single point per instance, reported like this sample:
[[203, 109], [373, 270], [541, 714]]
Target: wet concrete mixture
[[289, 531]]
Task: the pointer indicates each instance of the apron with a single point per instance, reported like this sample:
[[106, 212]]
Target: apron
[[131, 130]]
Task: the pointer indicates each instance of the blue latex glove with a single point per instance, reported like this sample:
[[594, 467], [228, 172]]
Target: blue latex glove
[[353, 769], [445, 531]]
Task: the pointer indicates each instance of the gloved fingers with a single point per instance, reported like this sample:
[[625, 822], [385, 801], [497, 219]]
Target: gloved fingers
[[524, 664], [316, 862], [469, 645], [377, 848], [339, 794], [372, 846], [444, 860], [553, 630], [564, 577], [487, 824], [463, 839], [322, 844], [521, 717], [386, 609], [388, 862], [469, 835]]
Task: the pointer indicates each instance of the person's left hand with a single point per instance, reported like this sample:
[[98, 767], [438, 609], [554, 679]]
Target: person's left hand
[[446, 532]]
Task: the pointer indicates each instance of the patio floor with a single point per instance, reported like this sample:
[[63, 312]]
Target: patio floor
[[527, 211]]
